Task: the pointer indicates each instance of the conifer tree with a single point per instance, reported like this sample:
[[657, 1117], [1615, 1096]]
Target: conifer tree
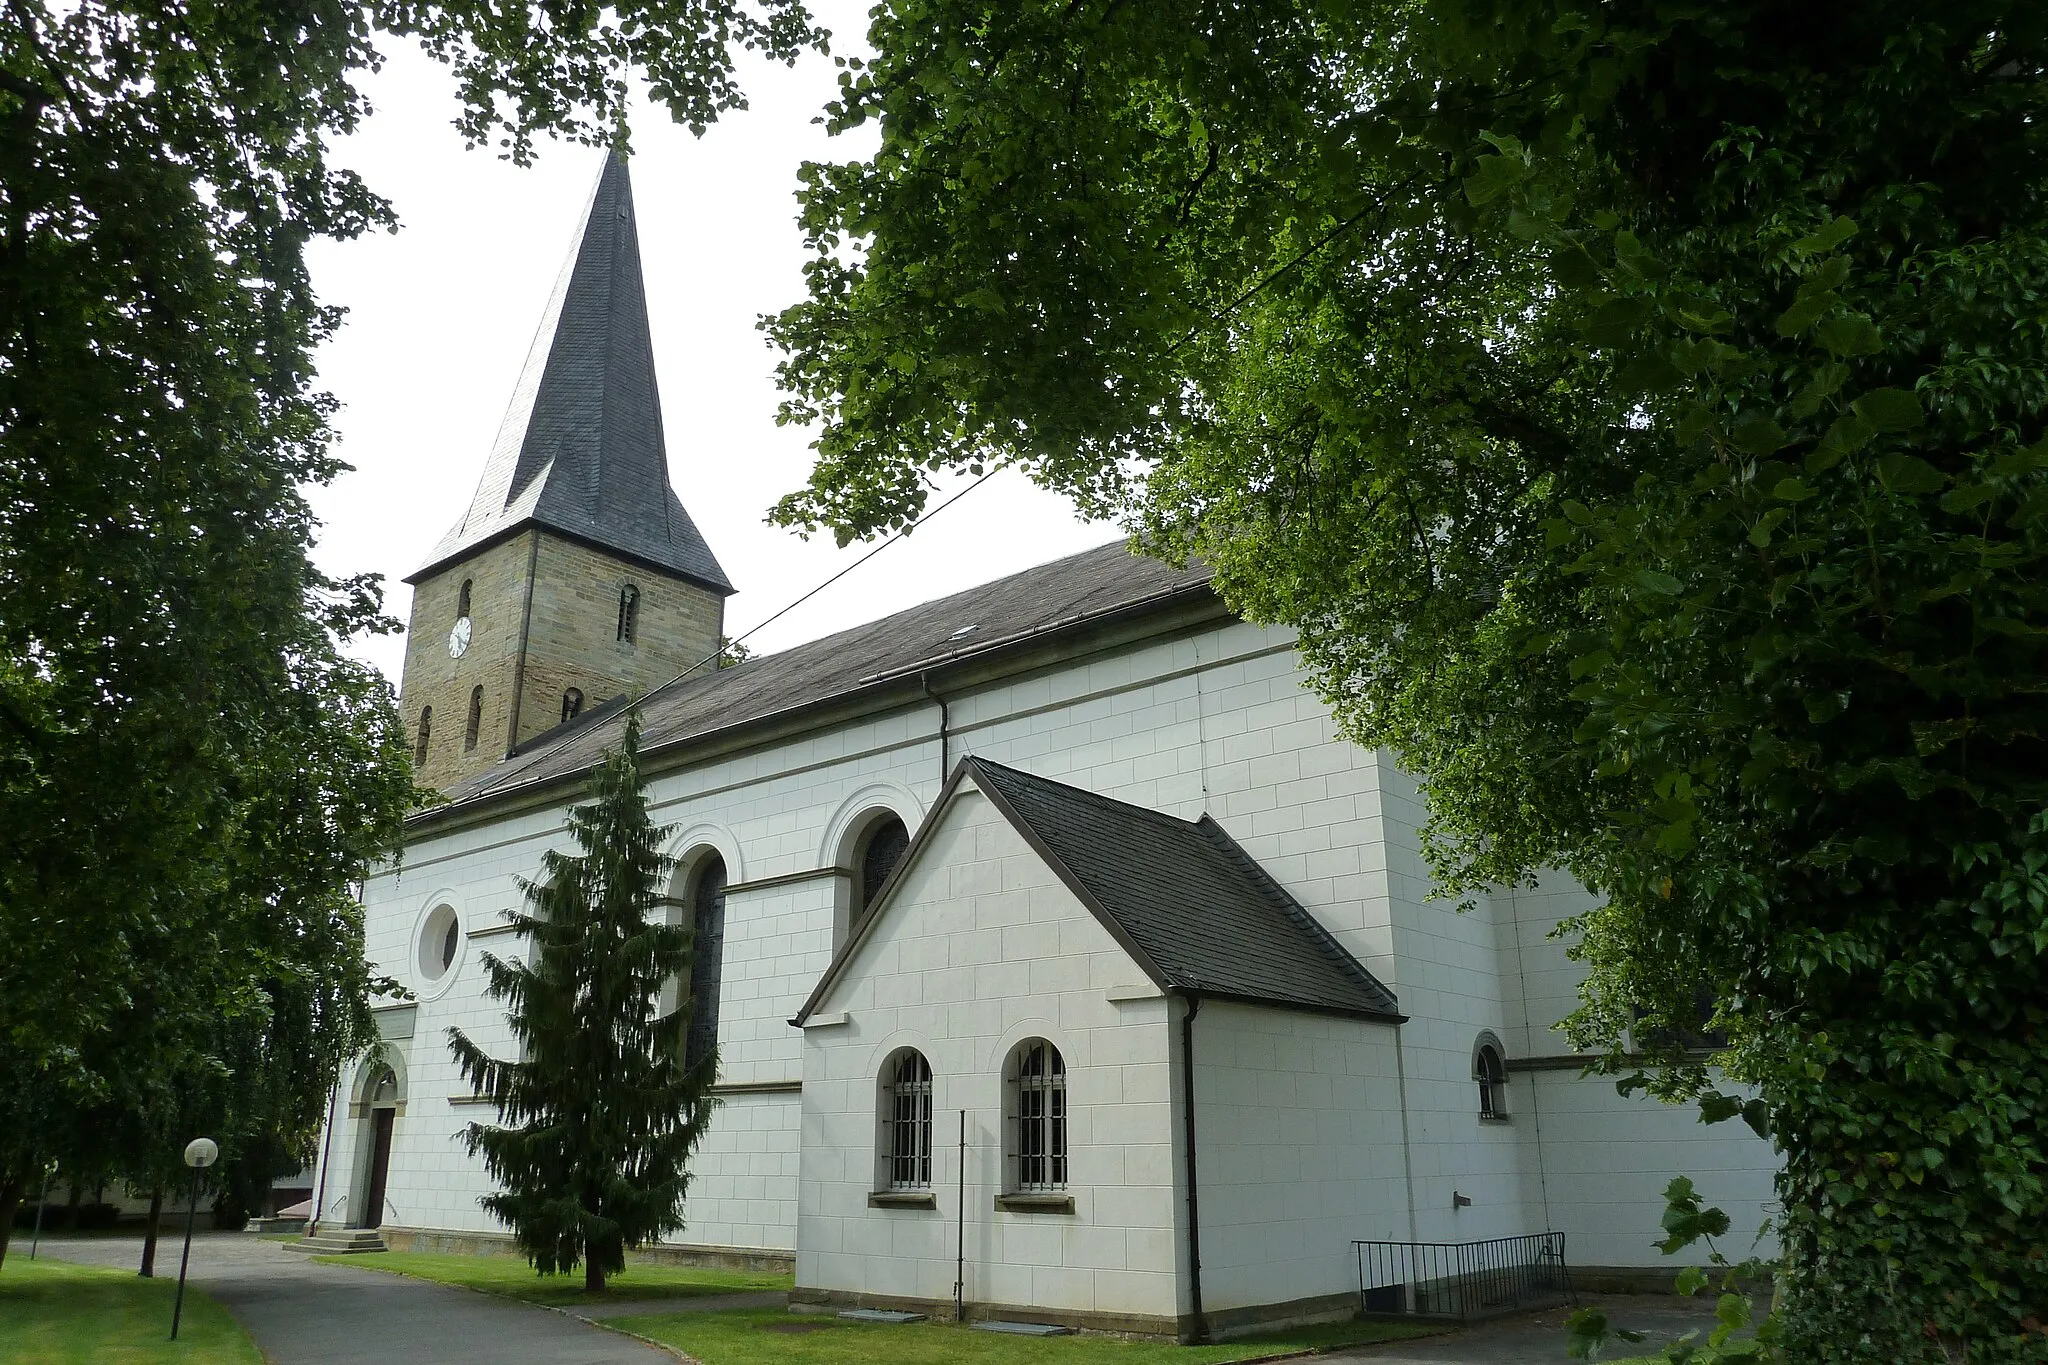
[[599, 1118]]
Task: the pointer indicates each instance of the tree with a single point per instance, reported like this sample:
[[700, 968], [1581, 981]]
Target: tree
[[191, 770], [602, 1111], [1639, 410]]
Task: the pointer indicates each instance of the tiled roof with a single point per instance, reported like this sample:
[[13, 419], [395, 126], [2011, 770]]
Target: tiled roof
[[1206, 919], [1065, 594], [1190, 906], [581, 450]]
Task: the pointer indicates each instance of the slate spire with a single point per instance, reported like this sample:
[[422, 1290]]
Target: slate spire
[[581, 450]]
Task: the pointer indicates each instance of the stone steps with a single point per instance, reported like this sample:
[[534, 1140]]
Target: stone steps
[[340, 1242]]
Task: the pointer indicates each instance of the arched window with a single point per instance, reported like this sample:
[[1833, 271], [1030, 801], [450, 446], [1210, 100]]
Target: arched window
[[629, 613], [880, 850], [476, 717], [1490, 1070], [1038, 1113], [907, 1121], [707, 957], [462, 599], [572, 705], [425, 731]]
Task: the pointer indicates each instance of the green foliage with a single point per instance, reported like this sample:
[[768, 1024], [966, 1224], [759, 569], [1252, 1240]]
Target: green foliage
[[1641, 411], [1737, 1337], [192, 771], [601, 1111]]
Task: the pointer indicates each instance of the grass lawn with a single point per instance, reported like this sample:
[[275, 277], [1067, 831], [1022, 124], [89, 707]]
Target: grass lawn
[[773, 1337], [55, 1313], [514, 1278]]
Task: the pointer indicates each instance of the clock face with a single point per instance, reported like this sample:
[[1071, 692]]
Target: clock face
[[458, 638]]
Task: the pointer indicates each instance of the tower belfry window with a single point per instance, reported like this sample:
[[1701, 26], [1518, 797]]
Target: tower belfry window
[[419, 739], [476, 717], [462, 599], [629, 613]]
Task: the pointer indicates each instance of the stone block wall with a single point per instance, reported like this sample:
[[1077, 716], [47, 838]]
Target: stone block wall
[[571, 639]]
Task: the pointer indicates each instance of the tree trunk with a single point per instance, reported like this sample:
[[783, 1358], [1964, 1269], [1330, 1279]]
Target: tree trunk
[[156, 1210], [10, 1200], [593, 1276]]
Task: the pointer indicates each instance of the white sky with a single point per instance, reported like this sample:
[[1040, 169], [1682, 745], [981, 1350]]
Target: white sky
[[440, 315]]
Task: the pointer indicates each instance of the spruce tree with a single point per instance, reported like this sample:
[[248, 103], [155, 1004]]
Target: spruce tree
[[598, 1119]]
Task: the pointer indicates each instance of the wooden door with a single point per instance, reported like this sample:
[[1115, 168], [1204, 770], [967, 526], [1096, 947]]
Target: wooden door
[[380, 1166]]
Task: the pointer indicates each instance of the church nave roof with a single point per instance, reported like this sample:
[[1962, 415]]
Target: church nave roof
[[1067, 594]]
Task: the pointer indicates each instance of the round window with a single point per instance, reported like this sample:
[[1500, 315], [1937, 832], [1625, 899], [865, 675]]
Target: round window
[[440, 937]]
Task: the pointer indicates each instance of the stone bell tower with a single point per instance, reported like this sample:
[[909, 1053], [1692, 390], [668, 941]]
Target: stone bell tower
[[575, 576]]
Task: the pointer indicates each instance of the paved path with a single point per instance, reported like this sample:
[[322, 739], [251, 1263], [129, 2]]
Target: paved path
[[1539, 1338], [303, 1313]]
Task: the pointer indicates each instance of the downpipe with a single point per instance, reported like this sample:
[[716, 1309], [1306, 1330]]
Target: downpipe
[[1199, 1326]]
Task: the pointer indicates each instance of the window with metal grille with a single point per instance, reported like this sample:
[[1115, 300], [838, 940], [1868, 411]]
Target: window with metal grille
[[629, 613], [1492, 1074], [707, 958], [880, 851], [426, 730], [907, 1121], [476, 718], [572, 705], [1039, 1091]]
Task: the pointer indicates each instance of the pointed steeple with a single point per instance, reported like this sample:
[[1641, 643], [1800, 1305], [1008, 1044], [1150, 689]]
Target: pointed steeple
[[581, 450]]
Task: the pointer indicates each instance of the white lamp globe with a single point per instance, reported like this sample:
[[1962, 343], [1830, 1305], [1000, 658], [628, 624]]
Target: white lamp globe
[[201, 1153]]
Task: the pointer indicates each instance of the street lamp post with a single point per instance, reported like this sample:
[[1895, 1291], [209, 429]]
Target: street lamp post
[[42, 1201], [199, 1154]]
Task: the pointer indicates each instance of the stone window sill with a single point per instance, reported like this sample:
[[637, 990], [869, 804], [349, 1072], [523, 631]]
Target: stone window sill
[[902, 1199], [1035, 1203], [1495, 1118]]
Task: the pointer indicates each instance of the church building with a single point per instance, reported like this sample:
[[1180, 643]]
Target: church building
[[1059, 951]]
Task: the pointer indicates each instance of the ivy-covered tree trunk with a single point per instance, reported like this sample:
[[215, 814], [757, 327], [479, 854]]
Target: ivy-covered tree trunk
[[599, 1115]]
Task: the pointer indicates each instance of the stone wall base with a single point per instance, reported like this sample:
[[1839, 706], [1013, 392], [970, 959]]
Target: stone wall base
[[1625, 1279], [1223, 1324], [450, 1243]]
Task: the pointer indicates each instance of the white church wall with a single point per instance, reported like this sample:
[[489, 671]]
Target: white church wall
[[1600, 1159], [1449, 974], [981, 948], [1607, 1158], [1217, 720], [1298, 1151]]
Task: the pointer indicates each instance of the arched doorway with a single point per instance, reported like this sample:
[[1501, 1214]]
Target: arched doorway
[[380, 1104]]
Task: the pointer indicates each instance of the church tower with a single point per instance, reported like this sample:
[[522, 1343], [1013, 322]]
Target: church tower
[[575, 576]]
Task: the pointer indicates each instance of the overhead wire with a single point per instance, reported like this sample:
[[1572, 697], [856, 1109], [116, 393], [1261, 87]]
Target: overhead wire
[[893, 537]]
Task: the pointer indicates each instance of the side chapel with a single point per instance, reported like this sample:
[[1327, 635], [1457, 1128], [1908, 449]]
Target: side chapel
[[1052, 938]]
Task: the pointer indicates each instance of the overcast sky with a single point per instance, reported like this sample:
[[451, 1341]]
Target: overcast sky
[[441, 313]]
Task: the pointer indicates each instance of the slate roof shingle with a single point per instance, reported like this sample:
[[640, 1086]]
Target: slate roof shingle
[[1209, 918], [581, 449], [1066, 593], [1194, 910]]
